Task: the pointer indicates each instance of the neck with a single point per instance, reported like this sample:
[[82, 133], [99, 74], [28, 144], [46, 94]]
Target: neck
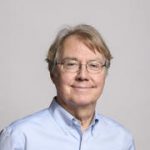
[[84, 114]]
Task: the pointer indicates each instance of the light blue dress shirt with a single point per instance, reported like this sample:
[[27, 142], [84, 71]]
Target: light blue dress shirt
[[55, 129]]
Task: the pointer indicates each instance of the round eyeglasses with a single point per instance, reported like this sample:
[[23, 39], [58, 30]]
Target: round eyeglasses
[[92, 66]]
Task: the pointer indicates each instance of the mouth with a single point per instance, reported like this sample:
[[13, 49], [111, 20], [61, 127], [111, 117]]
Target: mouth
[[82, 88]]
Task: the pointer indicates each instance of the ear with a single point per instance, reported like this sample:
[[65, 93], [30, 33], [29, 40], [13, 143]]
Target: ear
[[53, 76]]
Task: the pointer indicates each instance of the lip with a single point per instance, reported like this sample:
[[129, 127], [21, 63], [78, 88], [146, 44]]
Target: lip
[[82, 87]]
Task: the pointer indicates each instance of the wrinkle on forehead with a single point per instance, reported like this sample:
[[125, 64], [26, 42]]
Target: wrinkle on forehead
[[77, 41]]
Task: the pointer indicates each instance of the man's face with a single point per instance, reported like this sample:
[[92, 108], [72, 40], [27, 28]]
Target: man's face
[[81, 88]]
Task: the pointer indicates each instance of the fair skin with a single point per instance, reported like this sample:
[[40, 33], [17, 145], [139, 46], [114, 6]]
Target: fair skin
[[78, 92]]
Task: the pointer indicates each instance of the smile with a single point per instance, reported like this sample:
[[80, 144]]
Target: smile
[[83, 87]]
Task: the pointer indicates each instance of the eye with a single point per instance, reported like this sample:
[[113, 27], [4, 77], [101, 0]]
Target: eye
[[94, 65], [70, 64]]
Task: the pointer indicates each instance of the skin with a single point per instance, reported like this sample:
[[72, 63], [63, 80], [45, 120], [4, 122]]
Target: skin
[[78, 92]]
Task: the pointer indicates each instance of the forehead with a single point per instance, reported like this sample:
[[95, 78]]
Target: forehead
[[75, 47]]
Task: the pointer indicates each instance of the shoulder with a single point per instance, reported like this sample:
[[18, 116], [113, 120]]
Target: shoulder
[[113, 127], [14, 136], [28, 123]]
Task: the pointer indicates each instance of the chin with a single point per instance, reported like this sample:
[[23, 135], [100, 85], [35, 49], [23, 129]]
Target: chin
[[83, 101]]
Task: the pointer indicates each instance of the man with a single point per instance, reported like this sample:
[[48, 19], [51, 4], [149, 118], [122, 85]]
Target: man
[[78, 61]]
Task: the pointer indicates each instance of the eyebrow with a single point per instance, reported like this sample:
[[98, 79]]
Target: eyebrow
[[70, 58], [75, 59]]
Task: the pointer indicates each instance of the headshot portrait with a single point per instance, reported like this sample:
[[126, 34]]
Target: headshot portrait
[[74, 75]]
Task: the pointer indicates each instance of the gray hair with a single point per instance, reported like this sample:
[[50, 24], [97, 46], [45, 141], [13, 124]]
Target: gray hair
[[87, 34]]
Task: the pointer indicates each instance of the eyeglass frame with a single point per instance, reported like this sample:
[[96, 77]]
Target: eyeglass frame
[[79, 65]]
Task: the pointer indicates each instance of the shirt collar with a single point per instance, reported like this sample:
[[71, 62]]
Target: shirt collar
[[65, 119], [60, 114]]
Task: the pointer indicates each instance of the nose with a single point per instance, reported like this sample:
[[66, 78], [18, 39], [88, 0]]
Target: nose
[[82, 73]]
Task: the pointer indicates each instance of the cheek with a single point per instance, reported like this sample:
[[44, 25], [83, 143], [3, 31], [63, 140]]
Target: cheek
[[63, 81], [100, 82]]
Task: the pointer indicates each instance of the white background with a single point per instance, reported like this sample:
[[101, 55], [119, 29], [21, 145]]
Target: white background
[[27, 28]]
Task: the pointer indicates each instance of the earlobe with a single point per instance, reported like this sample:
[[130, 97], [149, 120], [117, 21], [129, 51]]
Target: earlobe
[[53, 76], [106, 72]]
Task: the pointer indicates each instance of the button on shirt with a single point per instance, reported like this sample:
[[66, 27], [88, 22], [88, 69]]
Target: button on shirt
[[55, 129]]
